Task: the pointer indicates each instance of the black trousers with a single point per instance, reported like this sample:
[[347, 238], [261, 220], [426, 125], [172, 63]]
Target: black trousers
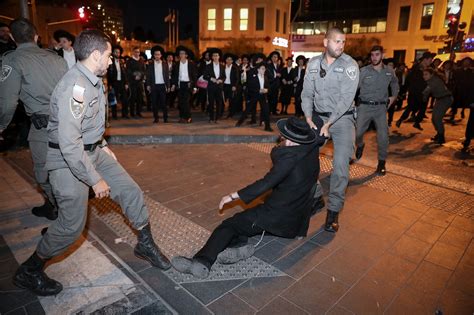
[[158, 101], [415, 105], [298, 109], [201, 99], [136, 97], [122, 96], [170, 98], [273, 98], [216, 101], [230, 97], [184, 94], [233, 230], [470, 127], [252, 105]]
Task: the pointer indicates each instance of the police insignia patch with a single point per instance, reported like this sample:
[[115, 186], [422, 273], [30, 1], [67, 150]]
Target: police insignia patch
[[351, 72], [77, 109], [6, 70]]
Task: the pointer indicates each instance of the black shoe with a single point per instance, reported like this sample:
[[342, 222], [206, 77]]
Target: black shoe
[[318, 205], [440, 140], [381, 168], [30, 275], [252, 122], [47, 210], [148, 250], [155, 121], [359, 151], [268, 128], [417, 126], [398, 123], [331, 224], [435, 138], [239, 123]]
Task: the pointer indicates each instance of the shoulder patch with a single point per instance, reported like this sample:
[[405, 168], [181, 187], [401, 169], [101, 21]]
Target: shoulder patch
[[77, 108], [6, 70], [78, 93], [352, 72]]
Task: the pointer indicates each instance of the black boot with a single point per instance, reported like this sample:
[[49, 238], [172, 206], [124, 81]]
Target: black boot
[[381, 168], [318, 204], [332, 224], [359, 151], [47, 210], [435, 138], [148, 250], [30, 275], [417, 126], [440, 139]]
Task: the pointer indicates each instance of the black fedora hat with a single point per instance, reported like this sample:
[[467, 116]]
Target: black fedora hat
[[296, 130]]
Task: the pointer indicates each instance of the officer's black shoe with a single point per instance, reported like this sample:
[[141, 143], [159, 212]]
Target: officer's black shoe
[[47, 210], [30, 275], [148, 250], [417, 126], [440, 139], [381, 168], [318, 205], [435, 138], [359, 151], [332, 224]]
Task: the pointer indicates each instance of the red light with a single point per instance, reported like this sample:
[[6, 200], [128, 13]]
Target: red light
[[82, 14]]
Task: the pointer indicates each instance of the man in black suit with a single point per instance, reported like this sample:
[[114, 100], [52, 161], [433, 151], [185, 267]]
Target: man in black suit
[[117, 80], [66, 42], [158, 83], [274, 75], [171, 95], [297, 75], [286, 86], [184, 80], [231, 83], [285, 213], [257, 89], [135, 74], [214, 73], [201, 99]]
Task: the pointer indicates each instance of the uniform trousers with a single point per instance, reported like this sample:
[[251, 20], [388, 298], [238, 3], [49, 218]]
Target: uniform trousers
[[440, 108], [377, 114], [72, 196], [342, 134]]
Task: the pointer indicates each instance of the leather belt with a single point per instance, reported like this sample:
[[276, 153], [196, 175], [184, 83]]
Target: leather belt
[[373, 103], [328, 114], [87, 147]]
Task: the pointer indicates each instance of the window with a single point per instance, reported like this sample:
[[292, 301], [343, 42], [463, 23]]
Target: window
[[426, 16], [260, 19], [211, 19], [277, 28], [285, 17], [244, 19], [419, 53], [404, 18], [228, 19]]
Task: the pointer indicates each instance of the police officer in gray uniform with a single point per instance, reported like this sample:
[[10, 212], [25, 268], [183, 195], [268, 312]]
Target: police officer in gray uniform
[[30, 74], [78, 158], [329, 88], [375, 79]]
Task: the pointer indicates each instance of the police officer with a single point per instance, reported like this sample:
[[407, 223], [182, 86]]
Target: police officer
[[375, 79], [329, 88], [77, 159], [30, 74]]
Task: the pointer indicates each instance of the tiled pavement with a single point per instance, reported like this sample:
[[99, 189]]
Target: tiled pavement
[[396, 253]]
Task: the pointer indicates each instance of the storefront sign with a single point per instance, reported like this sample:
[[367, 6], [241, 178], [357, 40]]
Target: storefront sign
[[280, 42]]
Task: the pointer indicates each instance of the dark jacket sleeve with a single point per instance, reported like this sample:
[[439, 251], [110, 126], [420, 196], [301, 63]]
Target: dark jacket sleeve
[[234, 76], [150, 74], [192, 71], [280, 170], [166, 75], [207, 72], [175, 75]]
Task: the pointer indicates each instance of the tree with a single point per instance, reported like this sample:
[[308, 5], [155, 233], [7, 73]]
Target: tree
[[360, 47], [240, 46]]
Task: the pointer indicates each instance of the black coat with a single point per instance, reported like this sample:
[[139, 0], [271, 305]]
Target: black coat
[[298, 81], [112, 72], [192, 72], [274, 80], [292, 179], [234, 75], [135, 70], [253, 84], [286, 89], [209, 73], [150, 74]]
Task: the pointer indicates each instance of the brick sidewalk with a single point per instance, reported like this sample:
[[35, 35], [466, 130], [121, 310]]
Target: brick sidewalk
[[393, 254]]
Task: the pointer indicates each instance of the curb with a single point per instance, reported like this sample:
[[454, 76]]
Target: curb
[[190, 139]]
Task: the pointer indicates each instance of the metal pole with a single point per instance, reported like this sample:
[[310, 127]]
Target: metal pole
[[25, 11], [34, 14], [169, 29], [177, 28]]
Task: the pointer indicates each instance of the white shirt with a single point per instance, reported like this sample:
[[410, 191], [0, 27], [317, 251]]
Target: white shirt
[[119, 71], [183, 72], [159, 72], [217, 70], [70, 58], [299, 74], [275, 66], [261, 79], [227, 74]]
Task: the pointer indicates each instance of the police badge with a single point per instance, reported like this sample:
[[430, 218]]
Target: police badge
[[352, 72], [6, 70], [77, 109]]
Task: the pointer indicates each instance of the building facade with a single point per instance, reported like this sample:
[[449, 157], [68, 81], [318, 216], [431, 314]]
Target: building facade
[[265, 23]]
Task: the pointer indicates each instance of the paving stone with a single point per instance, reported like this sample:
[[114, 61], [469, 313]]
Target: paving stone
[[456, 237], [18, 311], [258, 292], [410, 248], [229, 304], [281, 306], [339, 310], [413, 205], [463, 223], [386, 228], [369, 296], [316, 292], [333, 241], [438, 217], [411, 301], [302, 259], [392, 269], [456, 302], [445, 255], [154, 308], [462, 279], [208, 291], [272, 251], [403, 214], [372, 208], [369, 245], [429, 278], [425, 232]]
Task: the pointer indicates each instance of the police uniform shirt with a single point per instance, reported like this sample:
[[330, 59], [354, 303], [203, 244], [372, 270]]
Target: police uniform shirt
[[77, 118], [228, 69], [331, 93], [183, 72], [436, 88], [159, 72], [70, 57], [374, 84], [30, 74]]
